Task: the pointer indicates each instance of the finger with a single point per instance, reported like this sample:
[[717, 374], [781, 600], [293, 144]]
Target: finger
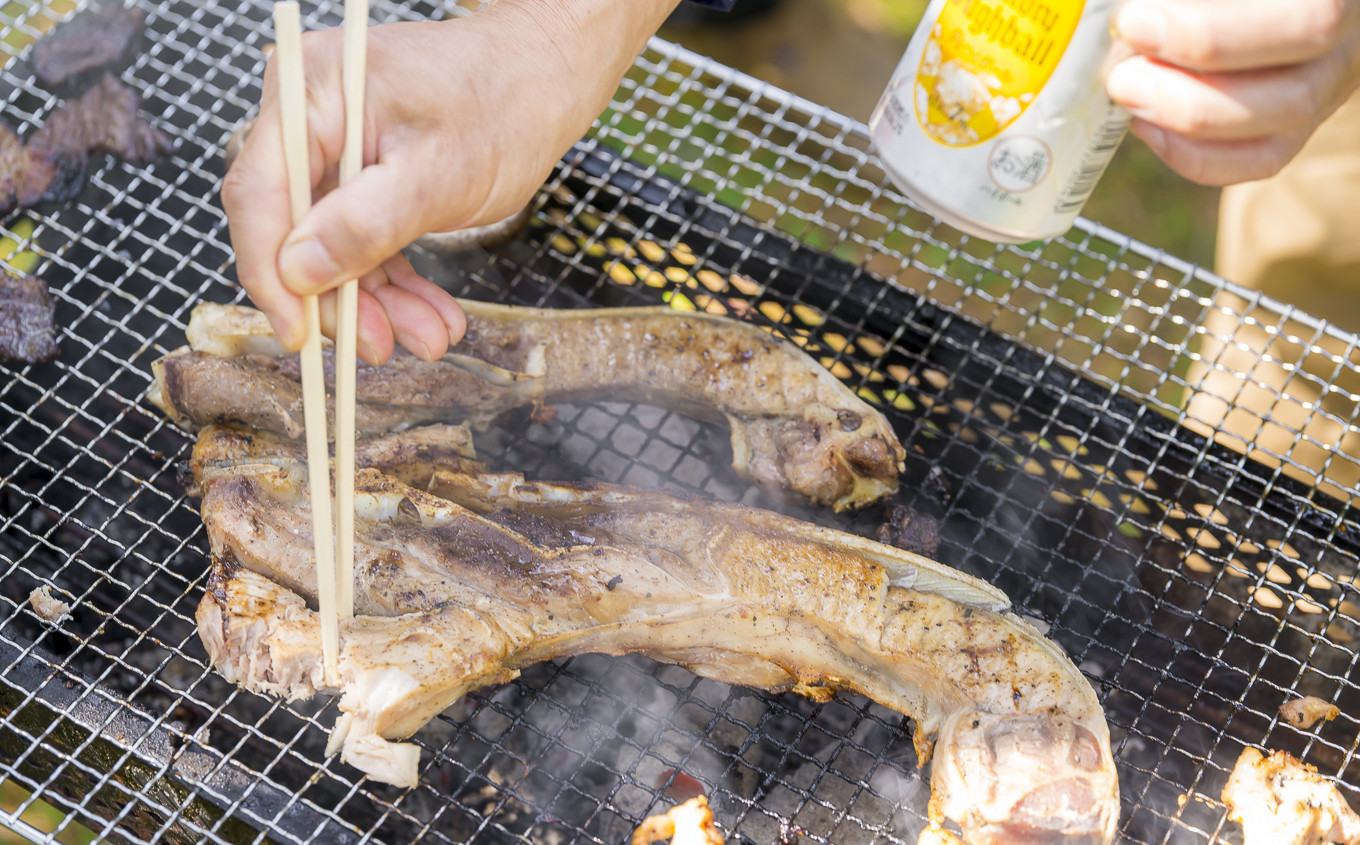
[[255, 197], [356, 227], [1220, 162], [400, 273], [1224, 106], [1235, 34], [415, 324], [374, 342]]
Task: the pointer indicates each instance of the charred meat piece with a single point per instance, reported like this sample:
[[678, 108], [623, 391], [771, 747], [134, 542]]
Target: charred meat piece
[[467, 584], [29, 176], [27, 330], [105, 118], [93, 41], [1282, 801], [793, 425], [907, 529]]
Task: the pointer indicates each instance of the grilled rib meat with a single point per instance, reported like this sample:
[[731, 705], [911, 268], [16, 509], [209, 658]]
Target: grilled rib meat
[[27, 331], [794, 426], [463, 586]]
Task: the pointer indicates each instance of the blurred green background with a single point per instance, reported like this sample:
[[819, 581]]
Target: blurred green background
[[842, 52]]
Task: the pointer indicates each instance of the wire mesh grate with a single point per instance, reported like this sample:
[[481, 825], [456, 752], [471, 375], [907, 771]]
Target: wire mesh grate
[[1152, 463]]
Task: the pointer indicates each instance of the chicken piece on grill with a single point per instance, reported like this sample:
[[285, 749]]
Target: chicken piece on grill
[[95, 40], [27, 330], [462, 586], [1282, 801], [793, 425]]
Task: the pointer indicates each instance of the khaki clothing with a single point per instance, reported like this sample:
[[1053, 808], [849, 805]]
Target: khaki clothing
[[1277, 388], [1296, 237]]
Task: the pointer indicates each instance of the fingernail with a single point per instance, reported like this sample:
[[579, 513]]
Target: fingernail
[[307, 267], [1143, 25], [456, 334], [288, 334], [418, 347], [366, 352], [1129, 86]]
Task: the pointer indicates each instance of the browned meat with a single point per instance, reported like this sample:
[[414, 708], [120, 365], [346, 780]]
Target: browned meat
[[906, 529], [463, 586], [29, 176], [103, 119], [27, 331], [1282, 801], [1307, 711], [93, 41], [793, 425]]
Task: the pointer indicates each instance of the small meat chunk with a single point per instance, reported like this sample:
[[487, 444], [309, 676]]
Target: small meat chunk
[[95, 40], [103, 119], [1282, 801], [690, 823], [47, 606], [27, 329], [906, 529], [1307, 711]]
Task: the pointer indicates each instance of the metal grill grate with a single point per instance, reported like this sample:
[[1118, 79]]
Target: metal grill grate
[[1085, 416]]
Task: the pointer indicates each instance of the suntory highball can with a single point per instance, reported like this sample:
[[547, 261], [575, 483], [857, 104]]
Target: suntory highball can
[[996, 119]]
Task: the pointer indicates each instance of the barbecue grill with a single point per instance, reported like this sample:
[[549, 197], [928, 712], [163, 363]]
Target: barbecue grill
[[1087, 419]]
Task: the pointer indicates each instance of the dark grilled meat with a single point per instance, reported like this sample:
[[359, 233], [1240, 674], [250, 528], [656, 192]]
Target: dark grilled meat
[[103, 119], [29, 176], [463, 586], [905, 528], [793, 425], [95, 40], [27, 331]]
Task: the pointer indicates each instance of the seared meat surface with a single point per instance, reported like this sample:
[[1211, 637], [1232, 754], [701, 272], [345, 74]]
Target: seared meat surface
[[94, 40], [106, 118], [793, 425], [1282, 801], [51, 166], [465, 584], [30, 176], [27, 332]]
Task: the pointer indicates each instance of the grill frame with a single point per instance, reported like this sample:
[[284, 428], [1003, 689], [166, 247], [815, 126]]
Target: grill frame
[[87, 469]]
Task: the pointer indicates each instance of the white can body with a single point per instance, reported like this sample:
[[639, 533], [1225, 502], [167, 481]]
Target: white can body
[[996, 119]]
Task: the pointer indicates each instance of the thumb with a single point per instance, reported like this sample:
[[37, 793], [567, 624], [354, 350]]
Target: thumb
[[356, 227]]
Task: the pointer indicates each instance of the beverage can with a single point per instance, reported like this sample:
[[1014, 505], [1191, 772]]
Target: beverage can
[[996, 119]]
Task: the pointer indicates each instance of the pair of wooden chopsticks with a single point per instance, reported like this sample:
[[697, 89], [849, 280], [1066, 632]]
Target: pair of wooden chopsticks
[[334, 559]]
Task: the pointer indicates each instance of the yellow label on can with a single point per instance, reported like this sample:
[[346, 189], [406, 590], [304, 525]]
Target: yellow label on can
[[985, 62]]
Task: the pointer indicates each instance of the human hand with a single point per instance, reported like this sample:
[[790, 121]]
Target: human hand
[[463, 121], [1228, 91]]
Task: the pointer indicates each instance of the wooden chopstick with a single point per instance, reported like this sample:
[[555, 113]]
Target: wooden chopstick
[[293, 117], [346, 345]]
